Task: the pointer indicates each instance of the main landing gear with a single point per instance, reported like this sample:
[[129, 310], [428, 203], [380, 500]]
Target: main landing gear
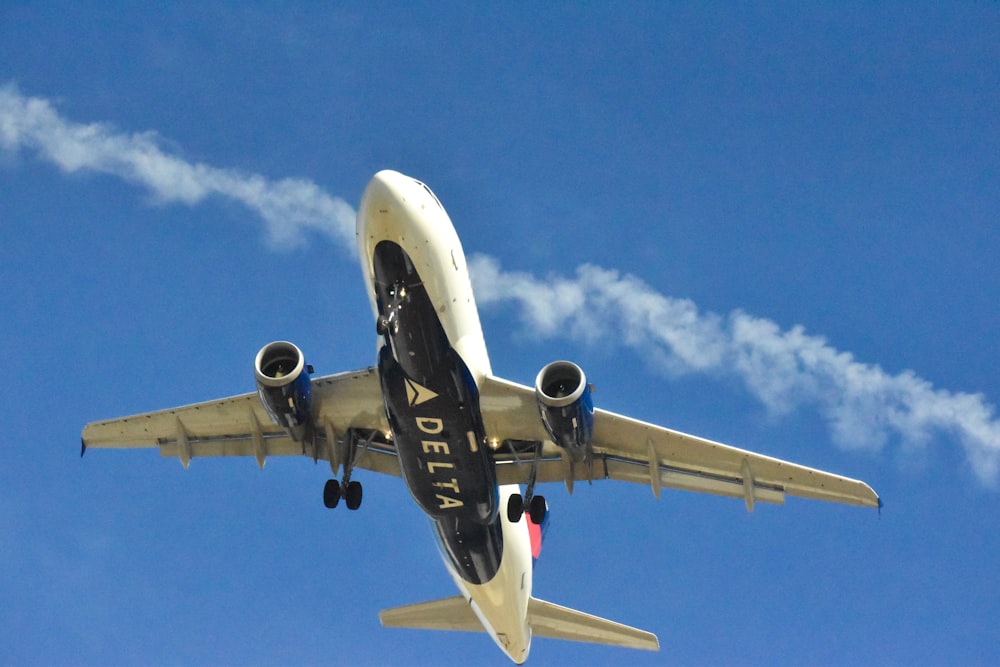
[[333, 491], [536, 508], [535, 505], [349, 490]]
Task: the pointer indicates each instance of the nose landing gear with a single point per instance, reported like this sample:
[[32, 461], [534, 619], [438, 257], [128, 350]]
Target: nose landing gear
[[389, 322]]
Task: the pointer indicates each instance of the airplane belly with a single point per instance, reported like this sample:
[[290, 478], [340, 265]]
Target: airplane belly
[[431, 358], [440, 440], [431, 399], [473, 550]]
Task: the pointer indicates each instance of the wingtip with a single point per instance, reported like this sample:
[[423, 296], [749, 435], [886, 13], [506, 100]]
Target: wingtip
[[83, 447]]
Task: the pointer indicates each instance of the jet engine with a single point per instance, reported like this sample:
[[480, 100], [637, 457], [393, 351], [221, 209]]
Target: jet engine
[[566, 407], [284, 387]]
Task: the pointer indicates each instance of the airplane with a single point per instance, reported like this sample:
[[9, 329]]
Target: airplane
[[464, 440]]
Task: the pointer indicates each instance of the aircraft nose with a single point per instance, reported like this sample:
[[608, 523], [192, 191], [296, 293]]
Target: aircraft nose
[[382, 194], [386, 183]]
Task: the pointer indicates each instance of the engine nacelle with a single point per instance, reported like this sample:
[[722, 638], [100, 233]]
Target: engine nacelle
[[284, 387], [566, 407]]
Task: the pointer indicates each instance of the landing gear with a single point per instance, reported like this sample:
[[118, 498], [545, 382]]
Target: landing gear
[[515, 507], [353, 495], [537, 508], [389, 323], [347, 489], [334, 490], [331, 493], [535, 505]]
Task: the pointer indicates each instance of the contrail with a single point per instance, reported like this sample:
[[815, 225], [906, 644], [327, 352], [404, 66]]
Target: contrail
[[289, 207], [785, 370]]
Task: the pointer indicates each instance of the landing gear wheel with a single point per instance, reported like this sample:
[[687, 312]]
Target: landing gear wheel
[[331, 493], [353, 495], [537, 509], [384, 325], [515, 507]]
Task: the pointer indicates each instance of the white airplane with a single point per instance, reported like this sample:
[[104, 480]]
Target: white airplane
[[462, 439]]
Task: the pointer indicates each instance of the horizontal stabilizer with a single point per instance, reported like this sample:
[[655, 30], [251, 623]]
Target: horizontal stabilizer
[[555, 622], [546, 619], [452, 613]]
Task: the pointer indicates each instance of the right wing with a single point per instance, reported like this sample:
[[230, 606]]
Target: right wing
[[239, 426], [629, 450]]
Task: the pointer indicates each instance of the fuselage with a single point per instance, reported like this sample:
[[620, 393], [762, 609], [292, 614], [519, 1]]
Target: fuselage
[[432, 360]]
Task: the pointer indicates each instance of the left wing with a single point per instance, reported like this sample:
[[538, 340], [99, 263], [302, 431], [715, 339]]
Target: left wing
[[238, 426], [633, 451]]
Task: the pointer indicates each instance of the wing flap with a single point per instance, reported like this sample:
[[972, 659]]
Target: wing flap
[[638, 472], [237, 446], [517, 472]]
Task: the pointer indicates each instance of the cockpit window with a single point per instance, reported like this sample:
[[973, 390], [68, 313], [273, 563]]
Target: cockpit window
[[433, 196]]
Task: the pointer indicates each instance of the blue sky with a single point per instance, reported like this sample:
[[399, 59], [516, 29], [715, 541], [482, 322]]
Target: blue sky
[[767, 225]]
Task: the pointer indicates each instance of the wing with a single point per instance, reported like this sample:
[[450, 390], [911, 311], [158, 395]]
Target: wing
[[633, 451], [346, 404]]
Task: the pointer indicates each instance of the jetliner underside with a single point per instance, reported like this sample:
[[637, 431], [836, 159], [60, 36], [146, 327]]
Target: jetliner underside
[[470, 447]]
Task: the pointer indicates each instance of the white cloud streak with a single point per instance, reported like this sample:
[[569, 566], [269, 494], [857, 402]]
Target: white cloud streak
[[290, 208], [785, 370], [863, 405]]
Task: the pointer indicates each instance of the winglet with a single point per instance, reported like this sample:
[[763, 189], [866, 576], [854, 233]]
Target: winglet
[[83, 447]]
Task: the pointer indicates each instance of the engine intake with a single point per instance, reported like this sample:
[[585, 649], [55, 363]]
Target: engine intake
[[284, 387], [566, 407]]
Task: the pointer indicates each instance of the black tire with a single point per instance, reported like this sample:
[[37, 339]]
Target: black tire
[[331, 493], [353, 495], [537, 509], [380, 326], [515, 508]]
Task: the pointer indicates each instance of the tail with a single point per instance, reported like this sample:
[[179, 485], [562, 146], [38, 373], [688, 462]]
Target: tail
[[546, 620]]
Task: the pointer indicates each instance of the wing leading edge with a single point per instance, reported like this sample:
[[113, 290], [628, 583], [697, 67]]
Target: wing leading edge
[[239, 426], [630, 450]]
